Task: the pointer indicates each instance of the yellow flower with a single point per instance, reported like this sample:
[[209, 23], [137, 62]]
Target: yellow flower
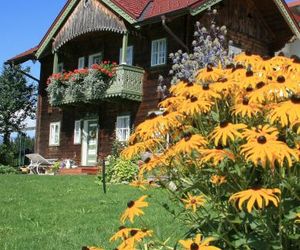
[[218, 180], [262, 150], [194, 106], [190, 143], [171, 103], [265, 130], [133, 209], [140, 183], [297, 218], [287, 112], [226, 131], [246, 109], [135, 233], [216, 156], [139, 147], [198, 243], [192, 202], [209, 74], [261, 196]]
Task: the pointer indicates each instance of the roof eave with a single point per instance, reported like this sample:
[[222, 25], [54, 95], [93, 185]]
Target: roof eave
[[288, 16]]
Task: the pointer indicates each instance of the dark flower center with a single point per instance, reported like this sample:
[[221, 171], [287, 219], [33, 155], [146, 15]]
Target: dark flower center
[[248, 53], [187, 136], [152, 116], [224, 124], [133, 232], [266, 58], [220, 147], [194, 99], [230, 66], [209, 67], [205, 86], [165, 113], [281, 79], [130, 204], [190, 84], [193, 201], [249, 89], [295, 99], [194, 246], [245, 101], [147, 160], [261, 139], [260, 85], [270, 78], [222, 79], [249, 73]]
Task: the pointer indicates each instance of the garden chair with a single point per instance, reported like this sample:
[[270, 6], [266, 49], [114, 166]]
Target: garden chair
[[38, 163]]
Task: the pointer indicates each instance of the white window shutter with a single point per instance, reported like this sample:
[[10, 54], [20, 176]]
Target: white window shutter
[[54, 134], [81, 62]]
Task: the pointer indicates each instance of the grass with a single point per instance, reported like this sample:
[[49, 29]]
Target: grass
[[68, 212]]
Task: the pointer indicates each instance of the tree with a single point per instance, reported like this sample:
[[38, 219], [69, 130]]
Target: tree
[[17, 101]]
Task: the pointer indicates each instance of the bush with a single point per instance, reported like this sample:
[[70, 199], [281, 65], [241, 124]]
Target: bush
[[7, 170], [119, 170]]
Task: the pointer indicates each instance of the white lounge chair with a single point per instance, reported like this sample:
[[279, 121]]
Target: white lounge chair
[[38, 163]]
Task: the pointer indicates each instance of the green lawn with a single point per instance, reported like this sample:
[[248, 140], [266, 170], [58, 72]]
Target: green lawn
[[68, 212]]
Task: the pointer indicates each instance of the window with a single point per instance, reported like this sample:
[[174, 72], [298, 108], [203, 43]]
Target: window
[[123, 128], [95, 59], [54, 136], [81, 62], [77, 132], [129, 55], [60, 67], [159, 52]]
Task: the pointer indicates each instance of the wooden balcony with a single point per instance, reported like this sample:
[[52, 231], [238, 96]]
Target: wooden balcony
[[92, 87]]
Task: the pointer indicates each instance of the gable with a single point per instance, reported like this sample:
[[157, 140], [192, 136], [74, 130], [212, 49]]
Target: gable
[[90, 16]]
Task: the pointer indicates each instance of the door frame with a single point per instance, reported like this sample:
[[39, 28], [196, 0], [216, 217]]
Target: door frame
[[84, 146]]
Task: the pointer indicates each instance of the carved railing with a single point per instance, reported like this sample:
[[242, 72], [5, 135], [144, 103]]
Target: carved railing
[[127, 84]]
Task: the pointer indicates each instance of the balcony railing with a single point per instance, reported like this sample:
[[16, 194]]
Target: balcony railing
[[92, 85]]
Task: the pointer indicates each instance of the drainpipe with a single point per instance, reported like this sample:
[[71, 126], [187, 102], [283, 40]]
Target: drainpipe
[[55, 63], [171, 33], [124, 48]]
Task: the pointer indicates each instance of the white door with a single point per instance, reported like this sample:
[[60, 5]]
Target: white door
[[89, 143]]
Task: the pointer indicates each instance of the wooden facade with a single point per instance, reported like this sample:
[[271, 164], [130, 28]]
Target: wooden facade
[[255, 26]]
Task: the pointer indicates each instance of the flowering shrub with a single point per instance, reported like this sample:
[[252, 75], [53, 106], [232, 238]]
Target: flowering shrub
[[227, 149], [210, 47], [81, 85]]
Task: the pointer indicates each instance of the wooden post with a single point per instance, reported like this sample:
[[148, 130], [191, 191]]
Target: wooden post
[[124, 48], [55, 63]]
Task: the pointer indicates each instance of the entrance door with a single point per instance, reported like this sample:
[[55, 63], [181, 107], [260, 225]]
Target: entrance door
[[89, 143]]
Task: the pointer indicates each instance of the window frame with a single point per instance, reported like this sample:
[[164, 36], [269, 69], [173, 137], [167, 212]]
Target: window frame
[[127, 128], [77, 137], [130, 60], [100, 54], [60, 67], [156, 56], [81, 62], [53, 143]]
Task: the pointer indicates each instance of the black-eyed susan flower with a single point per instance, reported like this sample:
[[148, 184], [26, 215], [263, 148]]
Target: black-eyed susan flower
[[140, 147], [193, 201], [189, 143], [215, 156], [286, 112], [262, 130], [218, 180], [194, 106], [171, 103], [263, 150], [123, 233], [133, 209], [262, 197], [139, 183], [209, 74], [198, 243], [246, 109], [135, 233], [226, 131]]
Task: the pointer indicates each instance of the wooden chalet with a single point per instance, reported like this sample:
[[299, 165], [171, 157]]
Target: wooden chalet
[[139, 35]]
